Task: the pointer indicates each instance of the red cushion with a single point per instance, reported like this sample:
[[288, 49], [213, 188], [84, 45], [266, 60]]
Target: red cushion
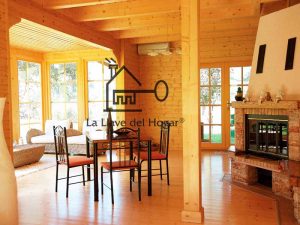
[[120, 165], [80, 161], [155, 155]]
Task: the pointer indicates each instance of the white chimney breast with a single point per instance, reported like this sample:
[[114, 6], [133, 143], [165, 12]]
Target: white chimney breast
[[274, 30]]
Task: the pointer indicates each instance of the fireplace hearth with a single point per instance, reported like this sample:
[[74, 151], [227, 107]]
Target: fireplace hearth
[[267, 135]]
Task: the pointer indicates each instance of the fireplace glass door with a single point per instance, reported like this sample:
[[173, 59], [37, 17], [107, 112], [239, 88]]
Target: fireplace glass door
[[267, 135]]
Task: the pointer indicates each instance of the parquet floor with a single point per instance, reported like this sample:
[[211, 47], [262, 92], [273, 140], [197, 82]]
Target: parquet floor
[[223, 203]]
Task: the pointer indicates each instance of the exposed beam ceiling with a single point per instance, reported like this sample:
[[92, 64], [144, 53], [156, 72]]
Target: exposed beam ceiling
[[64, 4], [137, 22], [123, 10]]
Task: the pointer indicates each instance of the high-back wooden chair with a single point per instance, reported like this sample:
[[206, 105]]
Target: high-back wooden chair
[[161, 154], [63, 158], [123, 161]]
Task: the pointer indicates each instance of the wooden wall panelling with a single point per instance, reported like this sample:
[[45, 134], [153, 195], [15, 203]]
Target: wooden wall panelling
[[5, 86]]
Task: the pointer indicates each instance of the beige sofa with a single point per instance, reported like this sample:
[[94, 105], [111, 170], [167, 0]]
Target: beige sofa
[[75, 138]]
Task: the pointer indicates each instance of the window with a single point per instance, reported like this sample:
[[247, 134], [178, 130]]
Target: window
[[211, 104], [30, 103], [63, 78], [98, 76], [239, 77]]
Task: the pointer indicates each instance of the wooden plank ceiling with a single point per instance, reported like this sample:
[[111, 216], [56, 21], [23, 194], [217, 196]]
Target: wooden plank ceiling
[[35, 37], [225, 24]]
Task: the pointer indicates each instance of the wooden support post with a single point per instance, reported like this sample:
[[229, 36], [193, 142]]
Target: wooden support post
[[5, 87], [192, 211]]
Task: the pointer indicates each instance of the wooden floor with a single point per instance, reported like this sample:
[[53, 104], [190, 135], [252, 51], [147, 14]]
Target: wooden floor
[[223, 203]]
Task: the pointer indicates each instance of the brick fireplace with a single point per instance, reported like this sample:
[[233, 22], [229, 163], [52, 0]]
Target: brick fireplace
[[284, 170]]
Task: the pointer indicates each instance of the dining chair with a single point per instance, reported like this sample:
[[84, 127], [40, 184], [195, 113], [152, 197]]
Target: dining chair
[[63, 158], [161, 154], [122, 162]]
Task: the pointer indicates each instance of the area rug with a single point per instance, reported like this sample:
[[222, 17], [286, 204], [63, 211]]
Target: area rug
[[45, 162]]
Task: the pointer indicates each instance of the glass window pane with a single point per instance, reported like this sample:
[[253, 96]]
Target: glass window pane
[[36, 126], [22, 70], [204, 95], [206, 133], [235, 75], [94, 70], [232, 135], [34, 71], [71, 92], [35, 113], [107, 75], [24, 113], [204, 76], [57, 72], [23, 97], [216, 134], [232, 112], [215, 74], [71, 112], [95, 91], [57, 92], [245, 89], [215, 95], [216, 115], [23, 131], [233, 90], [246, 74], [34, 92], [70, 71], [205, 114], [58, 111], [96, 111]]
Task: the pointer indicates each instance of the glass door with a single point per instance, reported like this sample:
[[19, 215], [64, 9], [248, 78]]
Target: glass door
[[238, 77], [211, 80]]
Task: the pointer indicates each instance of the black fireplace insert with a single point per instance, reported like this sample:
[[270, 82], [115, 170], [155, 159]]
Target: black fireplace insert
[[267, 136]]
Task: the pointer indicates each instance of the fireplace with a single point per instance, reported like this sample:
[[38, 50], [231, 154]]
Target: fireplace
[[267, 135]]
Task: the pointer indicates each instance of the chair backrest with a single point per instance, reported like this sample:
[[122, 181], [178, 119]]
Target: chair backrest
[[125, 152], [164, 138], [61, 145]]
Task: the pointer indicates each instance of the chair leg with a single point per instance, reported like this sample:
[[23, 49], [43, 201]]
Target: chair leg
[[111, 187], [56, 179], [67, 191], [167, 165], [130, 178], [139, 181], [83, 179], [101, 180], [160, 169]]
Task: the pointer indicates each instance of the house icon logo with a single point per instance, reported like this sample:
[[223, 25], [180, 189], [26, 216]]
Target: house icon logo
[[123, 97]]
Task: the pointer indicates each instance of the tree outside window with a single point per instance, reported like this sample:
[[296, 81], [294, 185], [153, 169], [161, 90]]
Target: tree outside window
[[63, 79], [30, 101]]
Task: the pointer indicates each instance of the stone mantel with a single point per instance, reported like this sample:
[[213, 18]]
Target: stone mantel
[[266, 105]]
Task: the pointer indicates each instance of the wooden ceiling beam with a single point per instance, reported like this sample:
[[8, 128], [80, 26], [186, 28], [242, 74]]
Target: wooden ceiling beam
[[274, 6], [64, 4], [229, 24], [122, 10], [137, 22], [35, 13], [148, 32], [228, 12], [155, 39]]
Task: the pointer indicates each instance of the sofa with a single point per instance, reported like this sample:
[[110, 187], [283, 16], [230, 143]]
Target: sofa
[[76, 139]]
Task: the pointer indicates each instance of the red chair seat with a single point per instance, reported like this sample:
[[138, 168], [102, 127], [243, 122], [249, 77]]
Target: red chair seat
[[80, 161], [155, 155], [120, 165]]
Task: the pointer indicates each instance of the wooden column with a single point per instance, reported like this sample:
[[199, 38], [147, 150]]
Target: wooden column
[[5, 88], [192, 211]]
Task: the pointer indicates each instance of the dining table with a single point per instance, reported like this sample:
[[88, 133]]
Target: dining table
[[99, 140]]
